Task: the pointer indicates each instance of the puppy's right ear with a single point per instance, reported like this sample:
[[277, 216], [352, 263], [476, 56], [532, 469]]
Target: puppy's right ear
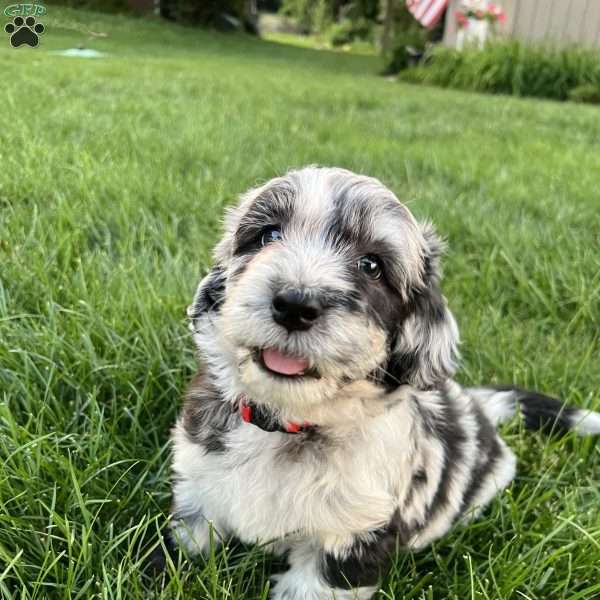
[[426, 350], [209, 294]]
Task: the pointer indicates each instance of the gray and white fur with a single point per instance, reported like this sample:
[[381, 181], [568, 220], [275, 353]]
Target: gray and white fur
[[398, 452]]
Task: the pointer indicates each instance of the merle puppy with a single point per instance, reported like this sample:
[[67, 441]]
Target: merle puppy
[[325, 421]]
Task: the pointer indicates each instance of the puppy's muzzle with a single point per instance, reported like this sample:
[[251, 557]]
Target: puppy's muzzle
[[296, 310]]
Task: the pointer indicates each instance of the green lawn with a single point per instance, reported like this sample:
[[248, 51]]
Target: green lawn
[[114, 174]]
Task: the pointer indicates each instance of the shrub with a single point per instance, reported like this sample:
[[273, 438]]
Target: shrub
[[112, 6], [189, 12], [317, 16], [409, 38], [402, 53], [312, 16], [202, 12], [511, 68], [588, 92], [347, 31]]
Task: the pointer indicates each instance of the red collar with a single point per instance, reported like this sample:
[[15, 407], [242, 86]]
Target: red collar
[[265, 419]]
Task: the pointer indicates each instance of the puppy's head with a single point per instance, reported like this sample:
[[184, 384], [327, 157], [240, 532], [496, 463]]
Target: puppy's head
[[323, 278]]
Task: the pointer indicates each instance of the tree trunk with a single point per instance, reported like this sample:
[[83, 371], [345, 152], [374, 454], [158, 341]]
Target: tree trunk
[[251, 17], [387, 37]]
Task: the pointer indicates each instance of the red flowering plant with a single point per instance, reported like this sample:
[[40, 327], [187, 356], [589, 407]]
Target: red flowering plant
[[492, 14]]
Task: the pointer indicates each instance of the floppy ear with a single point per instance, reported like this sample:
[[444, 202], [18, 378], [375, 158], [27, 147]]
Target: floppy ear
[[209, 294], [426, 347]]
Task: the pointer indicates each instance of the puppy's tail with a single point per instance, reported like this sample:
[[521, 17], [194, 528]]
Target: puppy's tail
[[549, 414]]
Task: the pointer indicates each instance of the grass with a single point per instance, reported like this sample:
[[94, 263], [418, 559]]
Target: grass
[[114, 175], [317, 42]]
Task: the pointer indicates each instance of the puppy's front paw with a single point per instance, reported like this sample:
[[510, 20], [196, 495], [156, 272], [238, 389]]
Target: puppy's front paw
[[195, 535], [295, 586], [292, 586]]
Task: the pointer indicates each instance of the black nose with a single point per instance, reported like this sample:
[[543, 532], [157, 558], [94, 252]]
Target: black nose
[[295, 310]]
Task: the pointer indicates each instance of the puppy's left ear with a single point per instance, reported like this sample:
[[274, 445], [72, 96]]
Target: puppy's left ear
[[426, 348], [209, 294]]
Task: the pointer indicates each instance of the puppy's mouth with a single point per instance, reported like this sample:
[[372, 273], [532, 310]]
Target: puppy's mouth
[[283, 365]]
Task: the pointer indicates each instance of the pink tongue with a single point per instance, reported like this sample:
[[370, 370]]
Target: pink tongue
[[280, 363]]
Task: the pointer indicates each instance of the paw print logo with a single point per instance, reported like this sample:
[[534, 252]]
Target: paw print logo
[[24, 31]]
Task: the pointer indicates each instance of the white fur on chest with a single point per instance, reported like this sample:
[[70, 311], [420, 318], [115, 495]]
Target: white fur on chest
[[260, 491]]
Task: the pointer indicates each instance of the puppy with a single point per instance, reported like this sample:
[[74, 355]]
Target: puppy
[[325, 422]]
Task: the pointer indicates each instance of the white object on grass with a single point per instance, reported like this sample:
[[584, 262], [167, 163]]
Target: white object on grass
[[80, 52]]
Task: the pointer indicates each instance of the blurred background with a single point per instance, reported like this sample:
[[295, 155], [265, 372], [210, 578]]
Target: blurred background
[[530, 47]]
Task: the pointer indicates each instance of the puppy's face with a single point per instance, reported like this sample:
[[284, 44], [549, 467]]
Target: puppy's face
[[322, 278]]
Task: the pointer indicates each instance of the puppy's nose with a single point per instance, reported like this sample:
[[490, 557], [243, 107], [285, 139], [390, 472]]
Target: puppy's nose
[[295, 310]]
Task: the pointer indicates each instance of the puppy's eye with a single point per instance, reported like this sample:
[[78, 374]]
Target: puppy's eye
[[370, 266], [270, 235]]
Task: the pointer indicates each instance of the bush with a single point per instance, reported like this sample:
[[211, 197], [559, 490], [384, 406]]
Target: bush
[[202, 12], [189, 12], [586, 93], [112, 6], [312, 16], [347, 31], [402, 54], [410, 41], [511, 68], [339, 21]]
